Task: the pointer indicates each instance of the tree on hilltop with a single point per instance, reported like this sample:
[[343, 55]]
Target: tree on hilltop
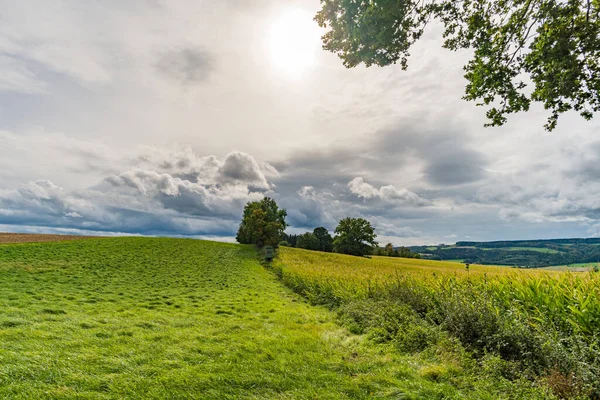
[[523, 51], [355, 236], [263, 223]]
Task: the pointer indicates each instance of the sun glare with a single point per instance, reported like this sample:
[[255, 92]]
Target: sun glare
[[294, 40]]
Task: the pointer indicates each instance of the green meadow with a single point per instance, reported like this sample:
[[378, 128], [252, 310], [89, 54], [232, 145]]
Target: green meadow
[[144, 318], [153, 318]]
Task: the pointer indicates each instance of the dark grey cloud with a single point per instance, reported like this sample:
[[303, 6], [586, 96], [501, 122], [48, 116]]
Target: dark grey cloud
[[587, 163], [455, 168], [187, 65], [444, 149], [448, 159]]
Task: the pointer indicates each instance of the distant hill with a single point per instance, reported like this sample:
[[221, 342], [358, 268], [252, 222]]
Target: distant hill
[[519, 253]]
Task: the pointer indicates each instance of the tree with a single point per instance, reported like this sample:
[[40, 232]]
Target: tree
[[355, 236], [307, 241], [324, 238], [291, 239], [390, 251], [379, 251], [263, 223], [406, 253], [552, 45]]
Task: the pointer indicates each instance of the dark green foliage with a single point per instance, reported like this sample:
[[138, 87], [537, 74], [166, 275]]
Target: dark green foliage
[[520, 253], [319, 240], [354, 236], [324, 238], [390, 251], [551, 45], [263, 223], [307, 241], [291, 239]]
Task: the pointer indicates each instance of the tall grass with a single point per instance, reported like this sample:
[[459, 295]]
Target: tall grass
[[544, 326]]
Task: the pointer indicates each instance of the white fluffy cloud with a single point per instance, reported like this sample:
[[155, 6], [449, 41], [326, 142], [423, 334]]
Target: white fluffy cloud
[[389, 193]]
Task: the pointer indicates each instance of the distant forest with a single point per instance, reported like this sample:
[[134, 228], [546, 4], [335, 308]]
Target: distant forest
[[518, 253]]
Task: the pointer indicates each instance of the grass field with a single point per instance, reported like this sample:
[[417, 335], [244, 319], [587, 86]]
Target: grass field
[[142, 318], [146, 318]]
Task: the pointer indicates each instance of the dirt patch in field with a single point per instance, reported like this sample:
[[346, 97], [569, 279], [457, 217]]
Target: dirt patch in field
[[36, 238]]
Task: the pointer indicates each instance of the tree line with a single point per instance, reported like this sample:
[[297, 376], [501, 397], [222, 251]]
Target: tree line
[[263, 224], [509, 253]]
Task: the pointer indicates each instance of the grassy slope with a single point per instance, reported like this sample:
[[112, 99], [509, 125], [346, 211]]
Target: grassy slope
[[165, 318]]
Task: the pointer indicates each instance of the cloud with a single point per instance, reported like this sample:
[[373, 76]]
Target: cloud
[[84, 86], [387, 193], [36, 155], [241, 167], [439, 146], [152, 197], [455, 167], [16, 76], [186, 66]]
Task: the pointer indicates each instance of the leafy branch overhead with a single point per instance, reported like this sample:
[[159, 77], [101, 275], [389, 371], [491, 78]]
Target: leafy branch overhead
[[524, 51]]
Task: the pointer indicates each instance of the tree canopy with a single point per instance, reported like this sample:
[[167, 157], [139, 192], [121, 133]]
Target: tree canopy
[[524, 51], [319, 239], [390, 251], [307, 241], [263, 223], [324, 239], [355, 236]]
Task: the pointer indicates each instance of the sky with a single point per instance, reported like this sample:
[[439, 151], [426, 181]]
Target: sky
[[158, 117]]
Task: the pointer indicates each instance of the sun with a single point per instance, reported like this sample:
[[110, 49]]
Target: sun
[[293, 42]]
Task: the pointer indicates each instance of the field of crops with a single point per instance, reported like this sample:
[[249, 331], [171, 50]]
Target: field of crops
[[543, 326], [35, 238]]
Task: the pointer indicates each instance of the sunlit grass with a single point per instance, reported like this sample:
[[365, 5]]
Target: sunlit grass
[[142, 318]]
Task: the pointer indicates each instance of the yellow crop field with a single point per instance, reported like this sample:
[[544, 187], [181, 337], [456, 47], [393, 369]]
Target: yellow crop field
[[384, 269], [546, 321]]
